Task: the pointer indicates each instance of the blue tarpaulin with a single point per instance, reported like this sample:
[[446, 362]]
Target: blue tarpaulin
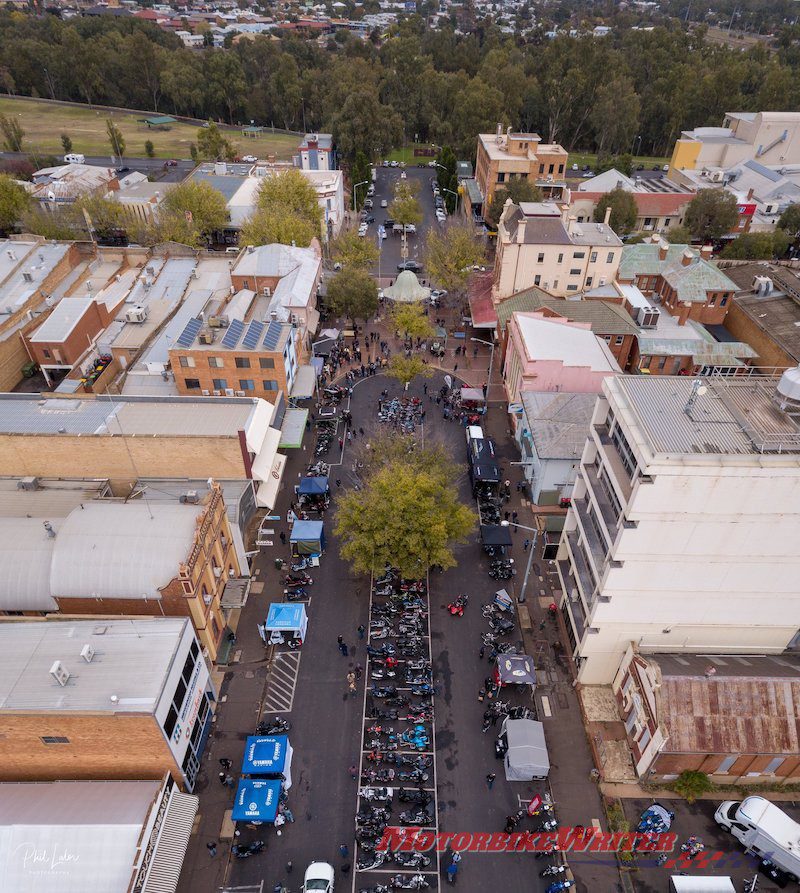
[[313, 486], [308, 537], [265, 755], [256, 800]]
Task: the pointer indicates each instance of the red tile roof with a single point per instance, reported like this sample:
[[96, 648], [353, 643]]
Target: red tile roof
[[650, 204]]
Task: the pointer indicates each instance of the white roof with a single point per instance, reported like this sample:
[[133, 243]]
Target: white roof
[[121, 550], [547, 339], [131, 662], [26, 554], [63, 319], [607, 181], [84, 834]]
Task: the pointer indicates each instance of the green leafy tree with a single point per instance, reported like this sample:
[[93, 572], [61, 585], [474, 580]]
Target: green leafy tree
[[405, 515], [621, 163], [615, 114], [360, 173], [212, 145], [107, 215], [353, 293], [679, 235], [757, 246], [790, 220], [450, 255], [58, 224], [277, 225], [623, 210], [691, 784], [411, 321], [363, 122], [149, 149], [353, 252], [517, 190], [115, 138], [405, 207], [13, 134], [66, 143], [711, 214], [447, 178], [405, 369], [293, 194], [191, 213], [14, 201]]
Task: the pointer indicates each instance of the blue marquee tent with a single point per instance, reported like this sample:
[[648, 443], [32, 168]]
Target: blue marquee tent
[[308, 537], [268, 755], [256, 800], [313, 486]]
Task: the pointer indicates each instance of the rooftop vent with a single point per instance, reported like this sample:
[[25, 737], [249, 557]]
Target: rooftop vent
[[787, 393], [191, 497], [29, 483], [49, 528], [59, 672], [87, 653]]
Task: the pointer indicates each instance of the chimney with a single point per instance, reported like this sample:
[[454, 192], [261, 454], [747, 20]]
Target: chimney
[[663, 247], [687, 257], [498, 135], [508, 131], [607, 216], [706, 251], [749, 193]]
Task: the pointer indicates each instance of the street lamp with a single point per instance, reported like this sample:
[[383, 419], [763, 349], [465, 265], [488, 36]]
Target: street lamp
[[635, 147], [491, 359], [355, 187], [535, 532], [455, 194]]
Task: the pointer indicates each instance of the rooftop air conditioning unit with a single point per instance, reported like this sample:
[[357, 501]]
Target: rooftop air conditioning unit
[[28, 483], [195, 273], [218, 572], [147, 285], [207, 336], [150, 270], [294, 320], [190, 497], [59, 672], [717, 176], [28, 277], [216, 393], [266, 291], [205, 392], [218, 322], [87, 653], [229, 392], [136, 313], [240, 394], [762, 285], [648, 317]]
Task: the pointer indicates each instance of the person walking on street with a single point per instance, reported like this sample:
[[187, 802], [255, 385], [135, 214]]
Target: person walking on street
[[452, 871], [343, 649], [481, 652], [338, 483], [339, 640], [351, 683], [353, 770], [283, 538], [361, 631], [344, 850], [490, 779], [525, 545], [212, 848], [359, 670], [225, 763]]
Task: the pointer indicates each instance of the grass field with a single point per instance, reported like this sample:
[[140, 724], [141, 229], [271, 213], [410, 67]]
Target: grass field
[[582, 158], [44, 123]]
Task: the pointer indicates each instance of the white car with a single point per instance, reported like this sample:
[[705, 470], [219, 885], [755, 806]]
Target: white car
[[250, 158], [384, 203], [371, 191], [438, 293], [440, 215], [411, 228], [319, 878], [394, 164], [362, 230], [368, 203]]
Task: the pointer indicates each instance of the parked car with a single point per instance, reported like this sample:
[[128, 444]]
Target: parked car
[[368, 203], [574, 167], [438, 293], [369, 219], [409, 265], [384, 203], [411, 228], [384, 163], [394, 163], [587, 174], [440, 215], [319, 878], [371, 191], [252, 159]]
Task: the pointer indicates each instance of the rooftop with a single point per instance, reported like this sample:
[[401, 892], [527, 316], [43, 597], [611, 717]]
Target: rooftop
[[62, 320], [734, 416], [497, 146], [549, 229], [690, 280], [131, 662], [559, 423], [561, 341], [604, 317], [51, 497]]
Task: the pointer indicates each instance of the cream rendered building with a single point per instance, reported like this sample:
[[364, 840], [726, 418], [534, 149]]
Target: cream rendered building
[[685, 517]]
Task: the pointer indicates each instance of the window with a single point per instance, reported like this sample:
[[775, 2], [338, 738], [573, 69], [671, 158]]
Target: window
[[266, 362], [610, 258], [575, 271], [712, 299], [561, 168], [607, 339], [246, 384], [619, 339], [170, 721], [540, 258], [588, 283], [572, 288], [270, 385], [54, 739], [579, 255], [725, 765], [220, 384], [541, 168], [215, 362], [551, 168], [648, 221], [46, 353], [593, 257], [561, 258], [623, 449], [501, 178], [186, 362], [188, 667], [773, 765], [662, 362], [192, 384], [242, 363], [537, 280], [215, 631], [724, 301]]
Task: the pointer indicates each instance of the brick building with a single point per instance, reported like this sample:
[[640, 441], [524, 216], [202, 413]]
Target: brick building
[[103, 699]]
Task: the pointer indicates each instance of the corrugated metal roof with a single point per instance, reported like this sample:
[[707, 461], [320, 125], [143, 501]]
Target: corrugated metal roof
[[558, 422], [605, 318], [176, 829], [132, 660], [26, 555], [62, 320]]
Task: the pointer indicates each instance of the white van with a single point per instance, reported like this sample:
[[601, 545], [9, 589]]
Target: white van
[[696, 883], [74, 158], [764, 829]]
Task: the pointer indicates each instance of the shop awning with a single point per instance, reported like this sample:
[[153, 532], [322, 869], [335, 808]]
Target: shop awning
[[265, 455], [176, 829], [313, 486], [293, 429], [256, 800], [495, 535], [265, 755], [304, 382], [267, 492], [323, 347]]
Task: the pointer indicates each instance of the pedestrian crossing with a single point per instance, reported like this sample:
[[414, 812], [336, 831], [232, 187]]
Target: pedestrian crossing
[[282, 682]]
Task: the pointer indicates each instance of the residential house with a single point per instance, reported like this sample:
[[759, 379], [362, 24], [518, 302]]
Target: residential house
[[502, 157], [681, 533], [111, 699], [317, 153], [732, 718], [541, 244], [554, 354]]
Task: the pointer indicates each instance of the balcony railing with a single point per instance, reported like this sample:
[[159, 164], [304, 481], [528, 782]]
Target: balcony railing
[[607, 512], [580, 567], [613, 461], [575, 607], [597, 546]]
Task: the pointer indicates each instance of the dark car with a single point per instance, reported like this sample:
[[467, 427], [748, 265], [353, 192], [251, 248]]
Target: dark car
[[409, 265], [369, 219]]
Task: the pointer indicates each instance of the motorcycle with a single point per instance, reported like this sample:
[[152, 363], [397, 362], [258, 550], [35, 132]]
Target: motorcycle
[[422, 689], [378, 729], [372, 815], [550, 850], [417, 762], [298, 581], [375, 776], [501, 625], [409, 795], [456, 607], [373, 861], [558, 886], [548, 825], [301, 565], [382, 673], [395, 700], [295, 595], [244, 851], [377, 795], [415, 817], [417, 882], [377, 713], [412, 860], [415, 775], [380, 888], [386, 691], [277, 726], [553, 871], [385, 649]]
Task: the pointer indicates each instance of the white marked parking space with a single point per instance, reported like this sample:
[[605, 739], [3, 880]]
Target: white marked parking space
[[282, 682], [546, 711]]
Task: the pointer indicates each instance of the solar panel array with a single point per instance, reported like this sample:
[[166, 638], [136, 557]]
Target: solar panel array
[[189, 333], [233, 334], [273, 335], [252, 335]]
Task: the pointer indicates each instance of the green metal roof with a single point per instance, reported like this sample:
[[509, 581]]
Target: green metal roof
[[604, 317], [473, 191], [690, 281], [522, 302], [160, 120]]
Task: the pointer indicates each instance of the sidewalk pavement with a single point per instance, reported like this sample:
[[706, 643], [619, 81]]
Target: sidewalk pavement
[[636, 792]]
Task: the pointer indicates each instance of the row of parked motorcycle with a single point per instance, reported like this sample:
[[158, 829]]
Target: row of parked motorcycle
[[397, 777]]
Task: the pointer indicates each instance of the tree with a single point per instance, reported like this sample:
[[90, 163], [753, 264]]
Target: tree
[[517, 190], [351, 251], [447, 178], [757, 246], [276, 224], [115, 138], [711, 214], [353, 293], [406, 516], [212, 145], [404, 369], [107, 215], [692, 784], [191, 213], [615, 114], [362, 122], [405, 207], [14, 200], [360, 173], [58, 224], [450, 255], [412, 321], [66, 143], [13, 133], [790, 220], [623, 210], [149, 149], [293, 194], [679, 235]]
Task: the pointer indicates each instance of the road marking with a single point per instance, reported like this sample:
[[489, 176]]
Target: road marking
[[546, 706], [282, 682]]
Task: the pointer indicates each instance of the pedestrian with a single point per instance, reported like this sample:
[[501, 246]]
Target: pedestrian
[[339, 640], [351, 682], [349, 436], [212, 848], [338, 483], [343, 649], [344, 850], [361, 631], [452, 870], [359, 670], [289, 815], [525, 545], [345, 868], [225, 763], [361, 431], [228, 781], [283, 538], [486, 723], [425, 389], [353, 770], [490, 779], [289, 867], [222, 776], [279, 821], [455, 368], [514, 516], [481, 652], [341, 443], [519, 486]]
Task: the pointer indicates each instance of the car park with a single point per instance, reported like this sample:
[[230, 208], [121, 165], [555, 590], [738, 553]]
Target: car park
[[319, 878]]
